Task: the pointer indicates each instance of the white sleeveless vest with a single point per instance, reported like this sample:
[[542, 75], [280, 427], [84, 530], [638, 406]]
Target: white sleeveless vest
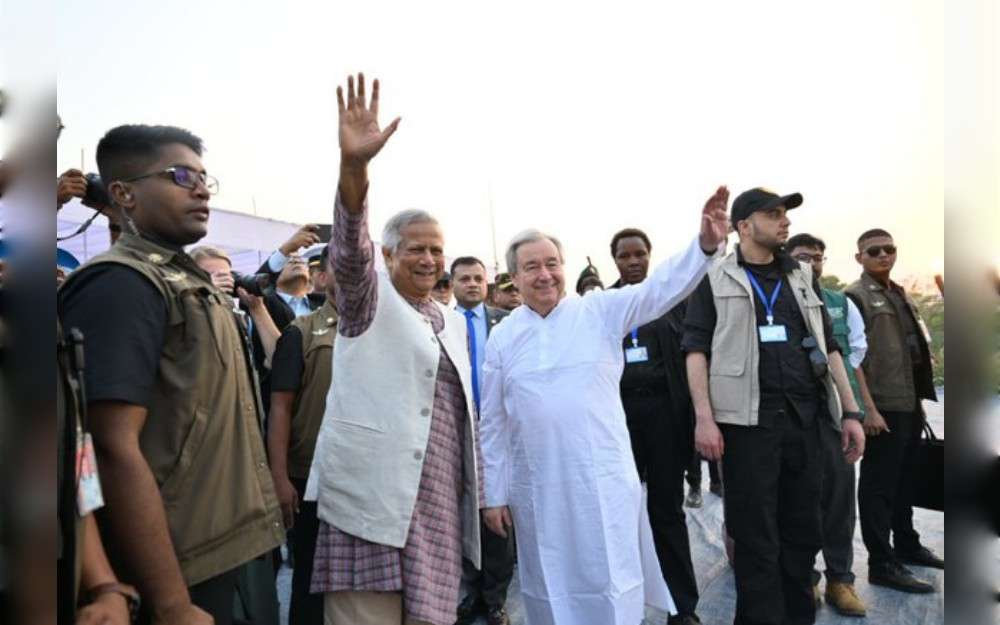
[[370, 449]]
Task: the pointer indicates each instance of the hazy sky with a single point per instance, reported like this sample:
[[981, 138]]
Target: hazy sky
[[576, 118]]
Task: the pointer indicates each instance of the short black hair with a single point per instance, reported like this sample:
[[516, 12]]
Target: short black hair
[[466, 260], [871, 234], [127, 151], [805, 240], [626, 233]]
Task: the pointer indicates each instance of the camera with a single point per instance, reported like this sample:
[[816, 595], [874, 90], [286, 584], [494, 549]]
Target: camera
[[252, 283], [816, 357], [96, 196]]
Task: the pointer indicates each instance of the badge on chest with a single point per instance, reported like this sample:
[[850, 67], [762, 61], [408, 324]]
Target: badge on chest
[[772, 334], [636, 354]]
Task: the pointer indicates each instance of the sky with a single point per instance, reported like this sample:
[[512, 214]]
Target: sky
[[575, 118]]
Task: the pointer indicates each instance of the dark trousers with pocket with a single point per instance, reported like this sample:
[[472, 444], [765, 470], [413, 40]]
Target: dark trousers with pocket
[[886, 487], [773, 481], [490, 583], [838, 508], [662, 446], [304, 608]]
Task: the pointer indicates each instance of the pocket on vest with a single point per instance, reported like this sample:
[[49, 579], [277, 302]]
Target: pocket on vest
[[174, 482]]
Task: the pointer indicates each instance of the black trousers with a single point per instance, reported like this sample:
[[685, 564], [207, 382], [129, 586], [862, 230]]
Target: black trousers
[[838, 509], [886, 487], [662, 446], [773, 479], [693, 476], [304, 608], [490, 583]]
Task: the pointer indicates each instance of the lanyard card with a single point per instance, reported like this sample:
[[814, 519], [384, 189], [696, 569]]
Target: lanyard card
[[773, 334], [636, 354], [88, 492]]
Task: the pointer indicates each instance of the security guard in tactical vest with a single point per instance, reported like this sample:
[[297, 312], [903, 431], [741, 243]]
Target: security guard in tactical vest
[[899, 373], [174, 407], [301, 371], [765, 374]]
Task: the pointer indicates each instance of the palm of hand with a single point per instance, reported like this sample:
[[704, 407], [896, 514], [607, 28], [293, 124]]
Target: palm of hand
[[359, 134]]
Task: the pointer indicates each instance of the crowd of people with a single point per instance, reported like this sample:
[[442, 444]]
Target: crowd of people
[[416, 434]]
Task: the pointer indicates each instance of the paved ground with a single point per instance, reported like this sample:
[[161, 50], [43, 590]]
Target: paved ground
[[715, 577]]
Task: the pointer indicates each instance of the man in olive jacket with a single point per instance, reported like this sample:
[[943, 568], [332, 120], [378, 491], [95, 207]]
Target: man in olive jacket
[[899, 373], [173, 403]]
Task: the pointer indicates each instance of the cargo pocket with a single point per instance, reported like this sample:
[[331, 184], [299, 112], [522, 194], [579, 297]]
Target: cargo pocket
[[176, 480], [206, 320]]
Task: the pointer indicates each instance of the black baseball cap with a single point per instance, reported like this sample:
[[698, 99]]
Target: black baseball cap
[[760, 199]]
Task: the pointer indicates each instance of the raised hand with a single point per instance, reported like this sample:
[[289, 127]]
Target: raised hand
[[714, 221], [360, 135]]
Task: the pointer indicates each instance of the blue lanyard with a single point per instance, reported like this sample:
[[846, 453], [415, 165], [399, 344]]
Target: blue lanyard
[[635, 337], [768, 304]]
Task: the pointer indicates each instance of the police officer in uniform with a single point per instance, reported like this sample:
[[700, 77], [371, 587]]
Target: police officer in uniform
[[174, 407]]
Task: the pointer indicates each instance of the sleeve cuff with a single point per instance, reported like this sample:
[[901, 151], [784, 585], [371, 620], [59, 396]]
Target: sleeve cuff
[[277, 261]]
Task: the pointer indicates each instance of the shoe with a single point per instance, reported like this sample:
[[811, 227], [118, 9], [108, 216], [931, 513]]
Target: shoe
[[921, 557], [693, 499], [897, 577], [497, 615], [842, 597], [683, 619], [715, 489], [469, 610], [817, 596]]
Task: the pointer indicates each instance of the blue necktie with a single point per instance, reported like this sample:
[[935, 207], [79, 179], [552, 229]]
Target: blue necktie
[[469, 315]]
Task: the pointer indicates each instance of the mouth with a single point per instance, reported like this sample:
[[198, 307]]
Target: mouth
[[200, 213]]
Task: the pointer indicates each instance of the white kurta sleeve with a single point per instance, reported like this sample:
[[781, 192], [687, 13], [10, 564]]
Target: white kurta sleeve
[[494, 430], [672, 281], [856, 335]]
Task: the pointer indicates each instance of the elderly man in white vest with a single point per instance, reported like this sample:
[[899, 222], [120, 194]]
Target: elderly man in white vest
[[395, 470]]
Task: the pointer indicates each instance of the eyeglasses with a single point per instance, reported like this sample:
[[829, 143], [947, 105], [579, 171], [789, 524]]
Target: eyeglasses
[[183, 177], [808, 258], [876, 250]]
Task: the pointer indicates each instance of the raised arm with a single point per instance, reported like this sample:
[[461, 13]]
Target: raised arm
[[673, 279], [350, 245]]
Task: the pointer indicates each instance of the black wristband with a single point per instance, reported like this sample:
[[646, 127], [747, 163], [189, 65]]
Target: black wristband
[[857, 416]]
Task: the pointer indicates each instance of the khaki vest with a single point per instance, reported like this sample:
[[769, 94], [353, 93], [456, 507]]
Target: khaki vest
[[888, 367], [733, 380], [202, 435], [318, 332], [370, 452]]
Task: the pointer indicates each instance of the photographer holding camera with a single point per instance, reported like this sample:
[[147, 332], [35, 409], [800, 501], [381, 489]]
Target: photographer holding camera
[[172, 399], [759, 401]]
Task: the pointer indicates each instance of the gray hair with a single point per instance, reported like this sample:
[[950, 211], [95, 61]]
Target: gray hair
[[528, 236], [392, 233]]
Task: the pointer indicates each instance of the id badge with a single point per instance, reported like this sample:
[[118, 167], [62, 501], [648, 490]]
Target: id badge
[[636, 354], [772, 334], [88, 492]]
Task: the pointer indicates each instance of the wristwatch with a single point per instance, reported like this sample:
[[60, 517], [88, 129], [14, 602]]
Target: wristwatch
[[857, 416], [131, 596]]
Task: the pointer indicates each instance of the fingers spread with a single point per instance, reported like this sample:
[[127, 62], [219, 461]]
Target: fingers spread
[[340, 100], [374, 104], [361, 90], [352, 100]]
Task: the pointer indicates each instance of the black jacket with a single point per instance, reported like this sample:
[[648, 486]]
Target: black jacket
[[670, 330]]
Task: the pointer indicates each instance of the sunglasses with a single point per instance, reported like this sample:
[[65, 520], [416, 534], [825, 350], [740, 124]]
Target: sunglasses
[[183, 177], [876, 250]]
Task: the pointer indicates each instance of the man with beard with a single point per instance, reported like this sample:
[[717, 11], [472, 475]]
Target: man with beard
[[764, 371]]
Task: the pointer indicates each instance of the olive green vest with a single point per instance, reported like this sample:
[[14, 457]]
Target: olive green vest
[[836, 307], [318, 333], [888, 367], [202, 435]]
